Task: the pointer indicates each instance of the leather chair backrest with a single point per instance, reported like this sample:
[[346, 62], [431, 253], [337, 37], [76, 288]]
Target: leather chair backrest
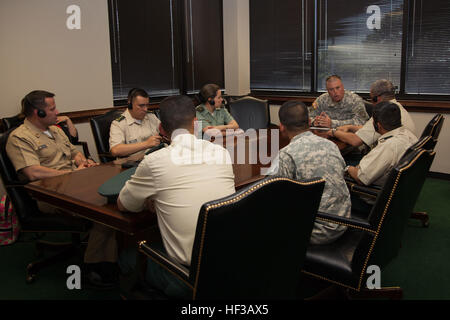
[[396, 201], [24, 205], [100, 126], [250, 112], [433, 128], [249, 246], [369, 107], [11, 122]]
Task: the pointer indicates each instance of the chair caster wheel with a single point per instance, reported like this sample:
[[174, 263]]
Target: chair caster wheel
[[30, 278]]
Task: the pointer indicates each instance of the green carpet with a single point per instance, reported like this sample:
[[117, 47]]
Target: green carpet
[[421, 269]]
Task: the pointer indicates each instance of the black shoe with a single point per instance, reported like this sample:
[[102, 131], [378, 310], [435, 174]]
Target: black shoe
[[96, 276]]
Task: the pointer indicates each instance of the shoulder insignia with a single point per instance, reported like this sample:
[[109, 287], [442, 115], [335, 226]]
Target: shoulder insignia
[[385, 138], [200, 109], [315, 104], [120, 118]]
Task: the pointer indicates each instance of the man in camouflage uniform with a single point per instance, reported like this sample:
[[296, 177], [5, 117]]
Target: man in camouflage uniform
[[338, 106], [392, 144], [136, 130], [308, 156], [211, 112]]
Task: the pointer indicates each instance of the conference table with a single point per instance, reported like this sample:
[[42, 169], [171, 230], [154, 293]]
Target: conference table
[[77, 191]]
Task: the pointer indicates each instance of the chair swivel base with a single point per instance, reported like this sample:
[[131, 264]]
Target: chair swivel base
[[34, 267]]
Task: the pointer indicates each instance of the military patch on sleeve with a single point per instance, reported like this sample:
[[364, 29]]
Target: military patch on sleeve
[[200, 109], [385, 138], [120, 118], [315, 105]]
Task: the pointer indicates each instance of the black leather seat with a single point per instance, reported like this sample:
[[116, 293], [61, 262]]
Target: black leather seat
[[15, 121], [33, 220], [248, 245], [100, 126], [372, 238], [250, 112]]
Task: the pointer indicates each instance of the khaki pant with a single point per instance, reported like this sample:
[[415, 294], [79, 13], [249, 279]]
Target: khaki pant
[[102, 244]]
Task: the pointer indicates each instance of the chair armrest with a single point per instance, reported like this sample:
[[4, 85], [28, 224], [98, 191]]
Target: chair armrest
[[165, 261], [352, 222], [106, 155], [370, 191]]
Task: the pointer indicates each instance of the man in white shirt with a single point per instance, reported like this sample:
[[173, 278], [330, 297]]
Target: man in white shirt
[[394, 139], [178, 179], [380, 91]]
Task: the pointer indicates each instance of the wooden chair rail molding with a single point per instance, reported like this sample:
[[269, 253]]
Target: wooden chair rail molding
[[85, 115], [427, 106]]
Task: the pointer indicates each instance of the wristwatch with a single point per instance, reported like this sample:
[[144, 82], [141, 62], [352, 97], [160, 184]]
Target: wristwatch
[[333, 131]]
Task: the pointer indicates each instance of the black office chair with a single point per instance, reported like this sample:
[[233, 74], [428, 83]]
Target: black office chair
[[251, 244], [15, 121], [100, 126], [372, 238], [433, 129], [34, 221], [369, 107], [426, 143], [250, 112]]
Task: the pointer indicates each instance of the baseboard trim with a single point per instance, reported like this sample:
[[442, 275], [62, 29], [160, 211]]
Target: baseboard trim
[[439, 175]]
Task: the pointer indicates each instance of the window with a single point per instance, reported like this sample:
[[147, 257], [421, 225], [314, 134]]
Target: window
[[143, 47], [428, 58], [166, 47], [280, 45], [360, 40], [296, 44]]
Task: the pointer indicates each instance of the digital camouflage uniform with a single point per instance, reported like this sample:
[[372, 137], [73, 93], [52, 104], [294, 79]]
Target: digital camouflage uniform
[[309, 156], [219, 117], [350, 110]]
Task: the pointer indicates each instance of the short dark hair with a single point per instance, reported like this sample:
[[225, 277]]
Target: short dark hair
[[333, 76], [176, 112], [388, 114], [35, 100], [294, 115], [136, 92], [208, 91]]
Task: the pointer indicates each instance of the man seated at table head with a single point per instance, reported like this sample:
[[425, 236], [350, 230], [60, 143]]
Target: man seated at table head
[[211, 112], [137, 129], [39, 149], [308, 156], [356, 135], [178, 180], [394, 139], [337, 107]]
